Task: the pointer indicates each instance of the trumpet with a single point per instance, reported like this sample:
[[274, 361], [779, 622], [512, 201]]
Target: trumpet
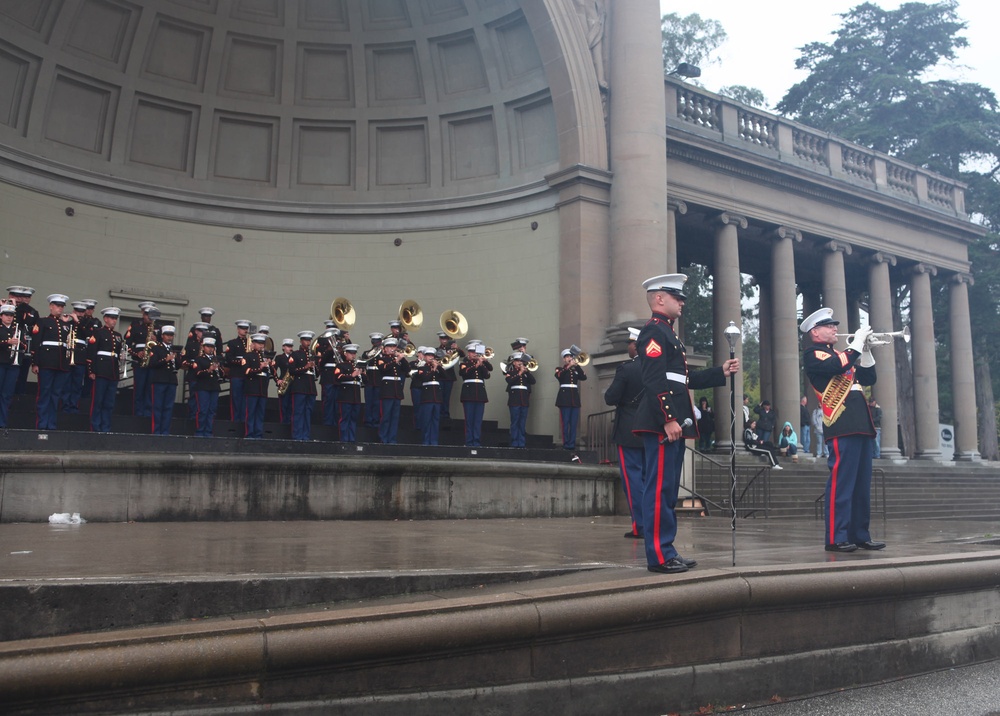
[[882, 339], [582, 359], [451, 359], [15, 350]]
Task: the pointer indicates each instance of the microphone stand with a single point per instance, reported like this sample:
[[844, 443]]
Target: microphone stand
[[732, 336]]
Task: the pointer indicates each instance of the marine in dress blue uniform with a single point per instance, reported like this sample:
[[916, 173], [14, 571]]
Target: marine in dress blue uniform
[[11, 354], [192, 349], [568, 400], [302, 368], [392, 371], [431, 377], [234, 359], [50, 360], [258, 380], [139, 334], [326, 348], [104, 355], [474, 370], [665, 418], [206, 372], [837, 378], [281, 375], [80, 332], [519, 382], [27, 317], [349, 377], [163, 363], [624, 393], [373, 409]]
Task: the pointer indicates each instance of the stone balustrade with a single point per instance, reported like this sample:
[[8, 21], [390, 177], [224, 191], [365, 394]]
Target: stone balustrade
[[693, 109]]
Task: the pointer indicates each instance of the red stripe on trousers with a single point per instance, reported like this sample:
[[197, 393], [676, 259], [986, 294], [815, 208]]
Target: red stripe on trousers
[[833, 490], [628, 486], [659, 503]]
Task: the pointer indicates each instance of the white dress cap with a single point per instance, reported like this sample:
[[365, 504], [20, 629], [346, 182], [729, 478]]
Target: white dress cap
[[566, 352], [288, 341], [351, 348], [389, 341], [210, 311], [672, 283], [111, 311], [308, 335], [633, 333], [58, 298], [822, 317], [264, 329], [169, 330], [9, 308], [242, 323], [209, 341]]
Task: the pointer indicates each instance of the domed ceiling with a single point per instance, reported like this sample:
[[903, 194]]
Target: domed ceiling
[[359, 103]]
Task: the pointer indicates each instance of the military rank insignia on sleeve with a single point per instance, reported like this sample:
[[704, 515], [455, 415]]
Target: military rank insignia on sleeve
[[653, 349]]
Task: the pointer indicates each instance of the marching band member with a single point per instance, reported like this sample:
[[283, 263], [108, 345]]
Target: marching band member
[[349, 395], [475, 371], [624, 393], [78, 367], [431, 377], [10, 349], [445, 345], [88, 326], [163, 381], [569, 375], [27, 317], [519, 382], [104, 365], [192, 349], [392, 371], [281, 376], [141, 332], [211, 331], [234, 355], [373, 411], [206, 384], [268, 341], [302, 367], [258, 378], [326, 350], [50, 360], [837, 378], [415, 386]]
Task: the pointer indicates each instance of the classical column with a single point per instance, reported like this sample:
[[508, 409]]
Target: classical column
[[726, 308], [674, 207], [963, 384], [784, 326], [835, 283], [638, 155], [925, 387], [765, 339], [880, 318]]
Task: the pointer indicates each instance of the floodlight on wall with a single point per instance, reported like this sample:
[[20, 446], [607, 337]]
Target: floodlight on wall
[[686, 70]]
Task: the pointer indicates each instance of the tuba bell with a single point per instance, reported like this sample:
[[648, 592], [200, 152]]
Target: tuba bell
[[582, 359], [343, 314], [454, 324], [410, 315]]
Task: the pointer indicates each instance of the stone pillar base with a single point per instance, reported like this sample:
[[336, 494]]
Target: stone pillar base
[[972, 456]]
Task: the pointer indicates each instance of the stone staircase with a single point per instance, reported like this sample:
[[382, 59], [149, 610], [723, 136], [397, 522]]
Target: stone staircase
[[912, 490]]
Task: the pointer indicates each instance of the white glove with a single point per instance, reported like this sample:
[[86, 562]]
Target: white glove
[[867, 359], [859, 340]]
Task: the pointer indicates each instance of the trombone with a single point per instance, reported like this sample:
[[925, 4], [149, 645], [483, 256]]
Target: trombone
[[882, 339], [582, 359]]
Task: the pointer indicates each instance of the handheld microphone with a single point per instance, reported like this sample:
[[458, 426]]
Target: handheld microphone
[[686, 424]]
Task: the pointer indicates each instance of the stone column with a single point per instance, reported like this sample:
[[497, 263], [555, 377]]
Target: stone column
[[784, 326], [963, 384], [638, 155], [766, 339], [835, 284], [726, 308], [925, 387], [674, 207], [880, 317]]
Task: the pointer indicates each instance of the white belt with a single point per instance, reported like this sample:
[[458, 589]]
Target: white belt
[[432, 382], [351, 382], [107, 354], [518, 387], [677, 377], [80, 340], [329, 365], [52, 343], [568, 385], [474, 380], [857, 386], [391, 377]]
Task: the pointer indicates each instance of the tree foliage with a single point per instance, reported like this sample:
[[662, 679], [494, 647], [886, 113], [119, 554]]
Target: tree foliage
[[690, 39], [747, 95], [870, 85]]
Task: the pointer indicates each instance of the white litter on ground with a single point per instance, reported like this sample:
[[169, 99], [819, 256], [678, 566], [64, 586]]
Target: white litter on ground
[[65, 518]]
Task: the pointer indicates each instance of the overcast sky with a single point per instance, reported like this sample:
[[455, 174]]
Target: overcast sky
[[764, 39]]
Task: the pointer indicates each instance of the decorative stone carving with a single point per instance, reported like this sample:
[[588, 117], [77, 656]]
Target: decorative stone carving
[[593, 13]]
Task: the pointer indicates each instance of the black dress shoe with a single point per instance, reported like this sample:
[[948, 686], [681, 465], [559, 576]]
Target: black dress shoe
[[841, 547], [633, 535], [870, 544], [689, 563], [672, 566]]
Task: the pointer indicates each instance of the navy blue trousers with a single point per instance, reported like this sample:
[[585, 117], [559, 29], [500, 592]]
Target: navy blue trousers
[[74, 389], [348, 414], [141, 394], [51, 385], [569, 417], [162, 406], [207, 404], [255, 416], [330, 391], [302, 411], [237, 403], [631, 463], [430, 418], [848, 490], [388, 426], [474, 423], [8, 384], [518, 425], [661, 481], [102, 404]]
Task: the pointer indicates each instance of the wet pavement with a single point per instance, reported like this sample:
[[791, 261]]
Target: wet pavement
[[30, 552]]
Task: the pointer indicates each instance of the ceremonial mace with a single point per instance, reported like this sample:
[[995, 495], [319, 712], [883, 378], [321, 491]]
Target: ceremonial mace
[[732, 336]]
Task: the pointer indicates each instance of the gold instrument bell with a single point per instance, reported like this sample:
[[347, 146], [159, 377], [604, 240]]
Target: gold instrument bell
[[582, 359], [343, 314], [454, 324], [410, 315]]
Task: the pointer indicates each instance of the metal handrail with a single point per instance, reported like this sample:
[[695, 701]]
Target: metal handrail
[[600, 427], [759, 479]]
